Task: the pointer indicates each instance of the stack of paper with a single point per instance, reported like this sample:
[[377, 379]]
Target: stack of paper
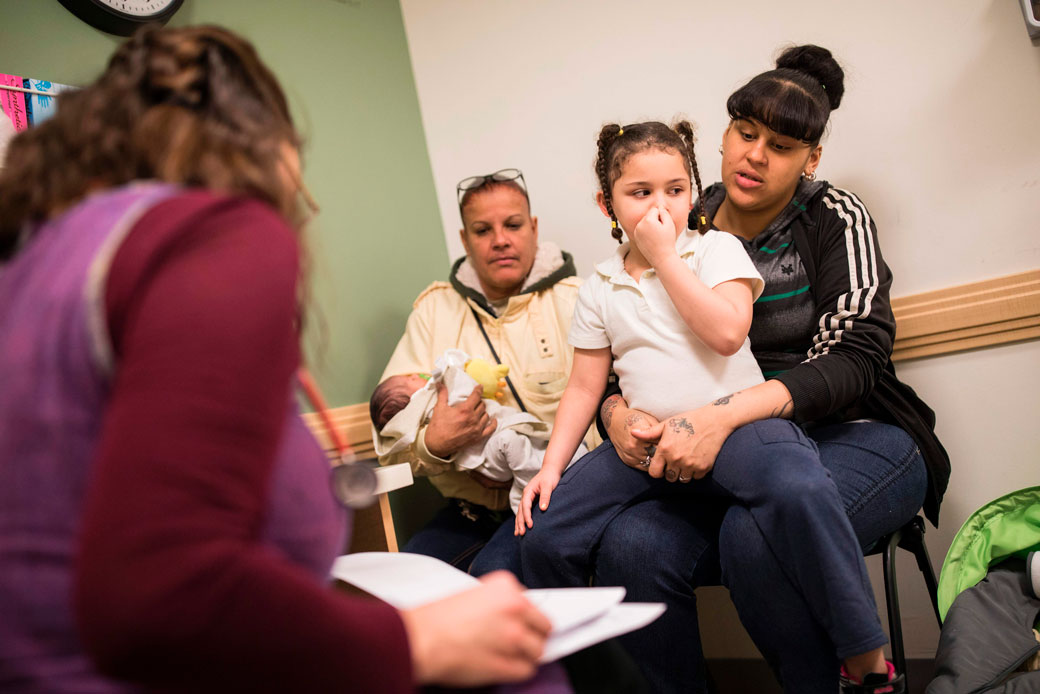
[[580, 616]]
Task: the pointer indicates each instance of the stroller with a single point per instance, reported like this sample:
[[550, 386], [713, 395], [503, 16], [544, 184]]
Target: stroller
[[989, 600]]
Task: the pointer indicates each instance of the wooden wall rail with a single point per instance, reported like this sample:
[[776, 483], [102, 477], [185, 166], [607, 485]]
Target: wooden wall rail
[[353, 421], [980, 314]]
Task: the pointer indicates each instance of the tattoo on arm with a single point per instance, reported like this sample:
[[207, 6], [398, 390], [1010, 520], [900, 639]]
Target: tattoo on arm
[[784, 410], [633, 419], [681, 425], [607, 411], [724, 400]]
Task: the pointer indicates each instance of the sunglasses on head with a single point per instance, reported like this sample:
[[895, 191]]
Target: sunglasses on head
[[501, 176]]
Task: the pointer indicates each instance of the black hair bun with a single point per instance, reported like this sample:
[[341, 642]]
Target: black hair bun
[[819, 64]]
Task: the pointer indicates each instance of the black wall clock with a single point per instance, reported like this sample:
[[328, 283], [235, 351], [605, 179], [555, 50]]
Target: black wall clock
[[122, 17]]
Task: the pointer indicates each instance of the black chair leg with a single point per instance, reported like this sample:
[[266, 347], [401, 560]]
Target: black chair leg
[[913, 540], [895, 625]]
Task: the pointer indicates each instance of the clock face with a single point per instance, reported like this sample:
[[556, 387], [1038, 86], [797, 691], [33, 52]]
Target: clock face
[[122, 17], [139, 8]]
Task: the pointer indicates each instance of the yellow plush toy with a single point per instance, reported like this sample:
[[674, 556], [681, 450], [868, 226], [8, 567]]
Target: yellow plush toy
[[490, 376]]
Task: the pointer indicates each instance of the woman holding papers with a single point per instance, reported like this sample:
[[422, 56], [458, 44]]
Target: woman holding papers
[[165, 518]]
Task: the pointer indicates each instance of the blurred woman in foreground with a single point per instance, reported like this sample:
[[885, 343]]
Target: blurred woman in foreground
[[165, 517]]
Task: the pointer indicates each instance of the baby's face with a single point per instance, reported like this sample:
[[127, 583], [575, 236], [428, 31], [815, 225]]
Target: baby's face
[[414, 382]]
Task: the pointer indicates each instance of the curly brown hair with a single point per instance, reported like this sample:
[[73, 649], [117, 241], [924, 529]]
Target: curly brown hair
[[192, 105]]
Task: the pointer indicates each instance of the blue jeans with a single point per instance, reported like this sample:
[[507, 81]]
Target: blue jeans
[[660, 551], [788, 551], [502, 551], [460, 533]]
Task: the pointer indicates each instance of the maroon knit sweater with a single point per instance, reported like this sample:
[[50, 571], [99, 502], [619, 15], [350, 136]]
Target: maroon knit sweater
[[173, 588]]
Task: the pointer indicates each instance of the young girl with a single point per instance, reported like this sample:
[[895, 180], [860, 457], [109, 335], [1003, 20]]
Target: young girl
[[671, 309]]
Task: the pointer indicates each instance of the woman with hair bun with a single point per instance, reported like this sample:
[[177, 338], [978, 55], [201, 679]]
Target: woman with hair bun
[[846, 450], [166, 521]]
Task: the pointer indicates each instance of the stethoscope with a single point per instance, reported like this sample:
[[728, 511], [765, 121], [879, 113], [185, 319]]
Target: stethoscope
[[353, 483]]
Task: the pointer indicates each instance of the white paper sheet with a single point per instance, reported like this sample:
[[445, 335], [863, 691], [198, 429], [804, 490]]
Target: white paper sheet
[[566, 608], [620, 619], [580, 617], [402, 579]]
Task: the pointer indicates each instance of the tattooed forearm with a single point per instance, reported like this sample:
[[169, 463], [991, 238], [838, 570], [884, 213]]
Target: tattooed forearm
[[724, 400], [607, 411], [633, 419], [681, 425], [784, 411]]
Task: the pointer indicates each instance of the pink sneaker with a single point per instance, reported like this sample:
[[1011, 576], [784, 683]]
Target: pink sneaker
[[874, 683]]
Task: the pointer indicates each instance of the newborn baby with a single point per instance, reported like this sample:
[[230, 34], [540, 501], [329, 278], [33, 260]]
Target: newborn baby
[[401, 406]]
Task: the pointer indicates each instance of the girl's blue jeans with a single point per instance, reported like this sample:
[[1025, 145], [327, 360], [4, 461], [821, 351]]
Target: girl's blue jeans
[[782, 520]]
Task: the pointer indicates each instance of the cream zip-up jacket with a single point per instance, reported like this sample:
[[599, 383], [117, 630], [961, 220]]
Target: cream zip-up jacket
[[529, 334]]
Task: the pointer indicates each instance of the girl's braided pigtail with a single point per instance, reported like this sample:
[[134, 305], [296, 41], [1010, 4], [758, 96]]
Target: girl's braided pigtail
[[685, 131], [608, 136]]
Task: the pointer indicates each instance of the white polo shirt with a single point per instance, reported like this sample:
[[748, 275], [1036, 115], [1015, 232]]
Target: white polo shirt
[[662, 367]]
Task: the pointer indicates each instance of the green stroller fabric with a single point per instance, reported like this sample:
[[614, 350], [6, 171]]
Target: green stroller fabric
[[988, 603], [1004, 528], [987, 636]]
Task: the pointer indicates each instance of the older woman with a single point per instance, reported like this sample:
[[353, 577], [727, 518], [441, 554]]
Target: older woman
[[510, 298]]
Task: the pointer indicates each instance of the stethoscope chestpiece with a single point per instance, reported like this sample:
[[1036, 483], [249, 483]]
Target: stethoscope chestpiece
[[353, 482]]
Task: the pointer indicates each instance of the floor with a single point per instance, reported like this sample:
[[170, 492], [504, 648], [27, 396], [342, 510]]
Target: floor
[[740, 676]]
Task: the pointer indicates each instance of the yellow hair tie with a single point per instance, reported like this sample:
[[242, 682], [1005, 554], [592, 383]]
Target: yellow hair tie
[[704, 221], [620, 132], [613, 224]]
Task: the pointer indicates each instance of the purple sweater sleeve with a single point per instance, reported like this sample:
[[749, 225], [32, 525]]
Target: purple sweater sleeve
[[173, 588]]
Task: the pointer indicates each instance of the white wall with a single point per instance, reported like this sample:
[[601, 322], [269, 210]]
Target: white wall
[[938, 134]]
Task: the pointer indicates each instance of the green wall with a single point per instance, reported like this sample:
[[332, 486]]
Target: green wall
[[346, 69]]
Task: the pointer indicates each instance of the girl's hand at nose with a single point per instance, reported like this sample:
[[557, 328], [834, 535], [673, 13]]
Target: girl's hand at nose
[[654, 236]]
